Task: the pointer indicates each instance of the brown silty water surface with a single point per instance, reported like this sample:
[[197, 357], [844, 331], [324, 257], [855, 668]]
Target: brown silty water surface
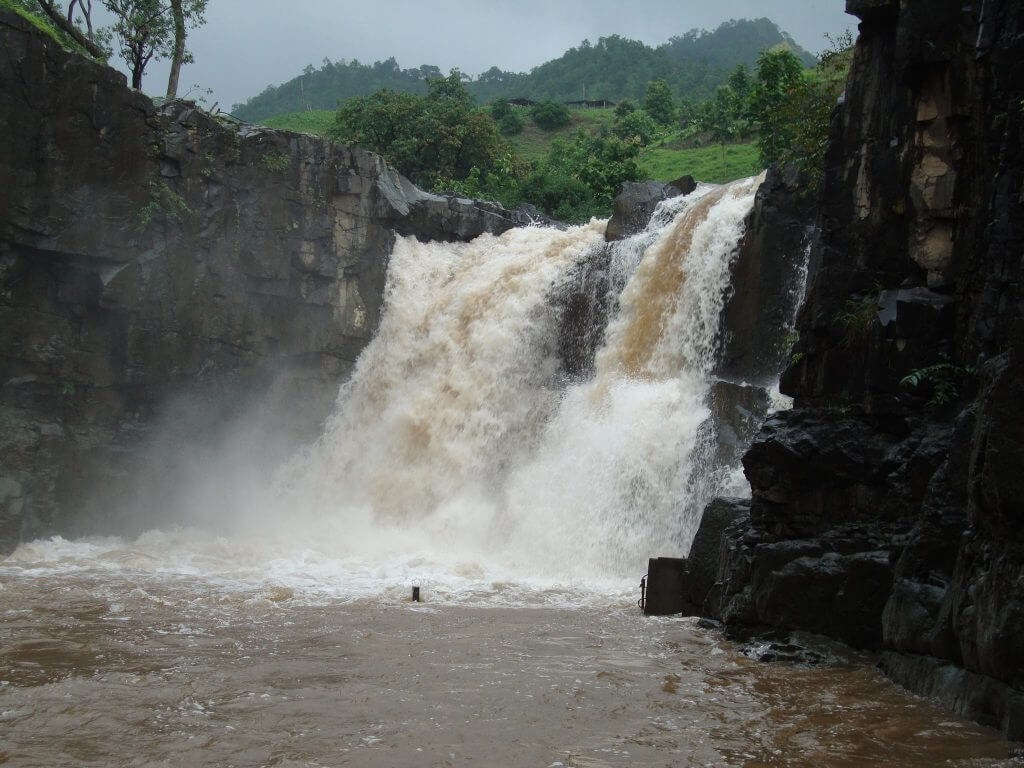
[[151, 670]]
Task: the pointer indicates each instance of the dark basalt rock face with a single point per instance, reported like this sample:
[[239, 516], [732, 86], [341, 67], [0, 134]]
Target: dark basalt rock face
[[162, 273], [767, 281], [883, 515]]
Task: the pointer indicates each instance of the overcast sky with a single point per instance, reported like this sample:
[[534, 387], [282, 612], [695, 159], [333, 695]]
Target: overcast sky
[[249, 44]]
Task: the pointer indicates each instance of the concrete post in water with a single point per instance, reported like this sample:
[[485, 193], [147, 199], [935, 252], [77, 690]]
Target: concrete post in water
[[664, 586]]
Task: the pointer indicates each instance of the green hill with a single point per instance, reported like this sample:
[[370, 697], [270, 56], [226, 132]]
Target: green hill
[[614, 67]]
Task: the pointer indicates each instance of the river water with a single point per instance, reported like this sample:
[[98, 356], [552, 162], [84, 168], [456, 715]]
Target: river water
[[268, 623], [108, 657]]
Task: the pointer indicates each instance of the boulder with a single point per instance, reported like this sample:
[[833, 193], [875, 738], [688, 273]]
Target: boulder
[[636, 202]]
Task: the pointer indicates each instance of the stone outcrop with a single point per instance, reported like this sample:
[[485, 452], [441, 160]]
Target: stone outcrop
[[768, 278], [162, 272], [888, 511], [635, 204]]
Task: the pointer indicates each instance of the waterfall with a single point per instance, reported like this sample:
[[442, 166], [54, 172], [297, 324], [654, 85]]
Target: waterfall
[[459, 434], [466, 454]]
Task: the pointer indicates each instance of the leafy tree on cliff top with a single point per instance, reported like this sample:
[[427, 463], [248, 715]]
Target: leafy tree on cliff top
[[440, 135], [579, 179], [791, 107], [144, 30], [780, 75], [152, 29]]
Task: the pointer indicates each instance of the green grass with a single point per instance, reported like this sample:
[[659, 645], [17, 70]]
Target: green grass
[[703, 163], [316, 121], [43, 25]]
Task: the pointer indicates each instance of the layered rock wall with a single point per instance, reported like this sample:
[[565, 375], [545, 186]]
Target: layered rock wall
[[162, 274], [884, 513]]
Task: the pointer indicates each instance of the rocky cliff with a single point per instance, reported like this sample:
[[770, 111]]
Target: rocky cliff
[[163, 274], [887, 507]]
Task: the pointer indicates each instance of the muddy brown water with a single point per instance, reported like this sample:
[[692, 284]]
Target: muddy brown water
[[164, 670]]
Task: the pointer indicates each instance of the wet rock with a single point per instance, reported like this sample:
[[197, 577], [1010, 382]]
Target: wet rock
[[737, 412], [879, 515], [767, 282], [703, 561], [635, 204], [785, 652], [985, 699], [583, 307]]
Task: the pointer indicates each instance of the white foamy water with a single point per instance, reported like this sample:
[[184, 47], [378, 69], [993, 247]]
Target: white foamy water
[[459, 459]]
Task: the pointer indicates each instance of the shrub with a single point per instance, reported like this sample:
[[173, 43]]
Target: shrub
[[510, 124], [499, 108], [858, 318], [636, 126], [944, 382], [623, 108], [579, 178], [550, 115]]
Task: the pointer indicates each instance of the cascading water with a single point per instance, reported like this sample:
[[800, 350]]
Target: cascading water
[[456, 434]]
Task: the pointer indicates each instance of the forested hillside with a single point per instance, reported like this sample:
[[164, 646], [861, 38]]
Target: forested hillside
[[616, 68]]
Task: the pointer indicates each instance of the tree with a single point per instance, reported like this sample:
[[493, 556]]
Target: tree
[[780, 74], [151, 29], [579, 179], [658, 102], [791, 107], [437, 136], [91, 40], [143, 30], [741, 84], [186, 12], [689, 113], [721, 120]]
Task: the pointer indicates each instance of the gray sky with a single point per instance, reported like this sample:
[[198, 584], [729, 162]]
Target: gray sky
[[249, 44]]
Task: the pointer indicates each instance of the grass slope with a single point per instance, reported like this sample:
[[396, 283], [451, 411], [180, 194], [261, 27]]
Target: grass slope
[[703, 163], [534, 143], [315, 122]]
